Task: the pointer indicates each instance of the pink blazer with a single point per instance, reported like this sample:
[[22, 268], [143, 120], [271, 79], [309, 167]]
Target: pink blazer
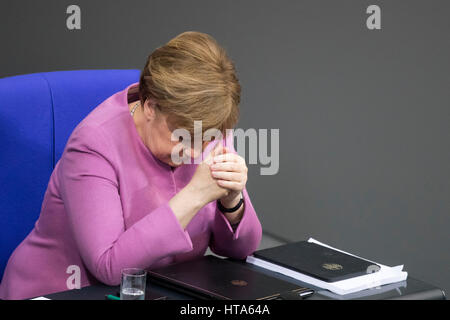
[[106, 208]]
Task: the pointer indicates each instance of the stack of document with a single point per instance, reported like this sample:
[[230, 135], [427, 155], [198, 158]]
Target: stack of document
[[385, 275]]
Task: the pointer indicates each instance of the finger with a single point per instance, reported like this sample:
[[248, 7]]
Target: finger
[[218, 149], [215, 151], [227, 149], [226, 175], [232, 185], [230, 157], [227, 166]]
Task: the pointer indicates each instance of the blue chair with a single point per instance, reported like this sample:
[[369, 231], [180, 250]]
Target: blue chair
[[38, 112]]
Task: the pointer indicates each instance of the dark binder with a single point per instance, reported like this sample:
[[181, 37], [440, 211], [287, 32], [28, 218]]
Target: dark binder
[[317, 261], [210, 277]]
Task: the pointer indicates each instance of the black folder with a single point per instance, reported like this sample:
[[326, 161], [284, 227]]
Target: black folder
[[210, 277], [317, 261]]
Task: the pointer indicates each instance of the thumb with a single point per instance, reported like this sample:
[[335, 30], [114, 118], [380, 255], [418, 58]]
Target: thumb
[[218, 149]]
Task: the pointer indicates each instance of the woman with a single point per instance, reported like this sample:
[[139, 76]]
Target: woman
[[117, 199]]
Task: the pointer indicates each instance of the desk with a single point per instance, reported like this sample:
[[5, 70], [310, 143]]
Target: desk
[[411, 289]]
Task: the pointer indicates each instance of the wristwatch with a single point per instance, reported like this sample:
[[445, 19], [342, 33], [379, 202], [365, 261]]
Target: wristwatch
[[236, 207]]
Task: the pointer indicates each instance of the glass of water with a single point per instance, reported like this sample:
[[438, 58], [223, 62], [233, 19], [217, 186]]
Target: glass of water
[[132, 286]]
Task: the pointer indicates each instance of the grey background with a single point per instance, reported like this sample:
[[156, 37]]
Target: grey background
[[363, 115]]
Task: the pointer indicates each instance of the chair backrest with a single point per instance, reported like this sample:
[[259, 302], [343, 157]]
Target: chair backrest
[[38, 112]]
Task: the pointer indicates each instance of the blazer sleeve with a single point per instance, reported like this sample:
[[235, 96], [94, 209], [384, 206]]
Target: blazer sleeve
[[236, 241], [90, 192]]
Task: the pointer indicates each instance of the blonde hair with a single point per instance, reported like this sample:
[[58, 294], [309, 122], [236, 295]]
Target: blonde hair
[[192, 78]]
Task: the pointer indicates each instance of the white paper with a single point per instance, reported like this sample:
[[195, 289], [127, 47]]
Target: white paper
[[384, 276], [40, 298]]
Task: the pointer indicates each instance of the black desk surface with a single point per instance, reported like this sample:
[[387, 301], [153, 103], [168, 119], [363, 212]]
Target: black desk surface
[[409, 289]]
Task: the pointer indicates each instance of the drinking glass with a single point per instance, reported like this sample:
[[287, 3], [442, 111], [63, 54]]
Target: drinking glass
[[132, 286]]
